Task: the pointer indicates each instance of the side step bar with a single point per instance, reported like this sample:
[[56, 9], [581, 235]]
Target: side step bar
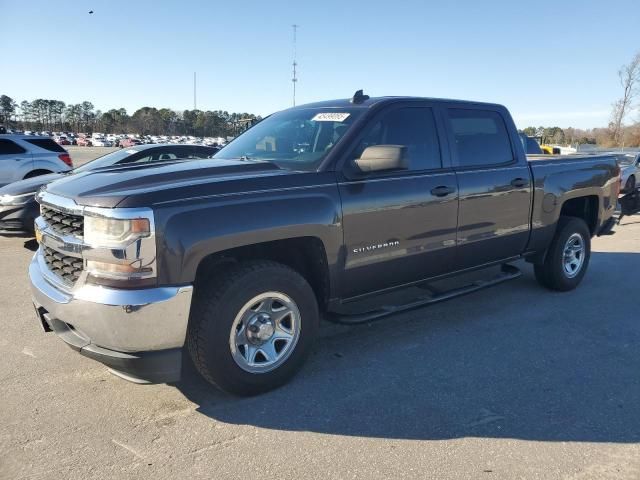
[[507, 272]]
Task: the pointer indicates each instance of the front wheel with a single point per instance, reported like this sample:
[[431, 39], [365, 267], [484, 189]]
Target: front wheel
[[568, 256], [252, 327]]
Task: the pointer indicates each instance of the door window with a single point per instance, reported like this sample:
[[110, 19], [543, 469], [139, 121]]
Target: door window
[[411, 127], [480, 138]]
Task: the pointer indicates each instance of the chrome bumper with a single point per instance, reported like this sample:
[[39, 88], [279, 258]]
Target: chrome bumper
[[121, 320]]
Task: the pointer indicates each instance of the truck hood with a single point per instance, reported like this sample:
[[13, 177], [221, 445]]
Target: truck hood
[[149, 184]]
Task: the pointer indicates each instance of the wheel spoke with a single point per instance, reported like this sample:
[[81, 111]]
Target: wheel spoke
[[250, 353], [282, 333], [280, 315], [269, 351], [241, 336]]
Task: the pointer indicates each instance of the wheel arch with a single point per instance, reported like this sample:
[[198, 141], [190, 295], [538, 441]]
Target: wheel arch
[[37, 172], [306, 255], [585, 207]]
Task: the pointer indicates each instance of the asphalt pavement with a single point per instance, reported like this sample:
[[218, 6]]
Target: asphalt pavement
[[510, 382]]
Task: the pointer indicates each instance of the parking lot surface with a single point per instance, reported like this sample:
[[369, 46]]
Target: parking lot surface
[[510, 382]]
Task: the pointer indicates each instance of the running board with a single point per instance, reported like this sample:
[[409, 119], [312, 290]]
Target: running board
[[507, 272]]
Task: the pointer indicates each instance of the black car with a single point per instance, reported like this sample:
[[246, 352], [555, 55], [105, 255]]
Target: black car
[[18, 207]]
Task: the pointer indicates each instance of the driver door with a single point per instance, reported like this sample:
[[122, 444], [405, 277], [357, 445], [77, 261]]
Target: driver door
[[400, 226]]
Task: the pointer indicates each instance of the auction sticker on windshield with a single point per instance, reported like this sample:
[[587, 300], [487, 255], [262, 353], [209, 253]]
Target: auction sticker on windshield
[[330, 117]]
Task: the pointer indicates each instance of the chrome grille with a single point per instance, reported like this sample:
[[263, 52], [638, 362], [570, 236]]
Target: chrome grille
[[66, 268], [63, 223]]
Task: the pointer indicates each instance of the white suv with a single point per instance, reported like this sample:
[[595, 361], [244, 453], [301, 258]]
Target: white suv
[[25, 156]]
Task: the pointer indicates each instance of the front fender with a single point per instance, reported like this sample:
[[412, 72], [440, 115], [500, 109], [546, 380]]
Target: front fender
[[189, 232]]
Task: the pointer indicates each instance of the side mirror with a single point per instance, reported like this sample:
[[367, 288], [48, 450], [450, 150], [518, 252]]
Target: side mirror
[[382, 157]]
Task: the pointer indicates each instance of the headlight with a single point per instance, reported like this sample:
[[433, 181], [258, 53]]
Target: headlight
[[121, 247], [16, 199], [114, 232]]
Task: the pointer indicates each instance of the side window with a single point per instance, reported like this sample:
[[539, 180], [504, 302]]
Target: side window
[[47, 144], [412, 127], [145, 159], [480, 138], [7, 147]]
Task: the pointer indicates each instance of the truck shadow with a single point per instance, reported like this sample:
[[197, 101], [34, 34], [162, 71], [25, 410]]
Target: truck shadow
[[514, 361]]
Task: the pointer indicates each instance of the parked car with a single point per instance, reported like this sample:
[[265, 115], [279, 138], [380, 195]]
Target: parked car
[[62, 140], [23, 156], [130, 142], [316, 209], [18, 206], [630, 168], [84, 142], [101, 142]]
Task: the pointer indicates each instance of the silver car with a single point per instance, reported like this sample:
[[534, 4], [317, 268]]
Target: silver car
[[630, 169], [26, 156]]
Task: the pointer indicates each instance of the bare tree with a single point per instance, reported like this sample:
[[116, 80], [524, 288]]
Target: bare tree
[[629, 76]]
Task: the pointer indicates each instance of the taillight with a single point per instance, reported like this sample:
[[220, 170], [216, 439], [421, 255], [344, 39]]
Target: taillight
[[66, 158]]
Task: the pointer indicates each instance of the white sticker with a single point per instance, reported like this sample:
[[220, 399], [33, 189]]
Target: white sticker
[[132, 151], [330, 117]]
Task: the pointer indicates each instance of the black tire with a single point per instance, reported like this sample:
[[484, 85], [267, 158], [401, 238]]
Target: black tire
[[551, 274], [630, 186], [37, 173], [217, 302]]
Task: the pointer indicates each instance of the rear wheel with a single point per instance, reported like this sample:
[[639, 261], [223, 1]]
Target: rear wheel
[[568, 256], [252, 327]]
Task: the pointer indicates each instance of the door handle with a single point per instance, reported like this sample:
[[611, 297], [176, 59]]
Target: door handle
[[519, 182], [442, 191]]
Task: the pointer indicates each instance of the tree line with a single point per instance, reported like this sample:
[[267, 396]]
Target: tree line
[[55, 115]]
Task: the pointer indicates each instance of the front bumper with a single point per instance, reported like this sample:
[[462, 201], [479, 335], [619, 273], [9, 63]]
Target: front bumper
[[138, 333], [18, 218]]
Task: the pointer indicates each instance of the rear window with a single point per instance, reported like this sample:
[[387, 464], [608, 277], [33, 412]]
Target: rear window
[[47, 144], [7, 147], [480, 136]]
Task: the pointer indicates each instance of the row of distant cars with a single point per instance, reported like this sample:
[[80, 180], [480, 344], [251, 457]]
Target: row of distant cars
[[28, 162], [121, 140]]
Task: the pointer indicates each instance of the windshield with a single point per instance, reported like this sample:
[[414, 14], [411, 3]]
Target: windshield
[[297, 139], [626, 160], [105, 160]]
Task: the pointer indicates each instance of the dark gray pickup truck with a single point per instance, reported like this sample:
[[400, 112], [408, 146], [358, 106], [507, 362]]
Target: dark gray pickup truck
[[315, 211]]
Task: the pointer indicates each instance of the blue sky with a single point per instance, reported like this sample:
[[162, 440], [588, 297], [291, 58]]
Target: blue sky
[[551, 62]]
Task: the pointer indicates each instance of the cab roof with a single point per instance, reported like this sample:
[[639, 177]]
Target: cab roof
[[375, 101]]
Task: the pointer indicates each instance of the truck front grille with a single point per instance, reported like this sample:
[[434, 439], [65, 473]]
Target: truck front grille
[[66, 268], [63, 223]]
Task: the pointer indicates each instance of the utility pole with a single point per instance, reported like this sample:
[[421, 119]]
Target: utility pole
[[294, 80], [194, 91]]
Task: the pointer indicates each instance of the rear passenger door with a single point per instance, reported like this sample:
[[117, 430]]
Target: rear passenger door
[[399, 226], [495, 187], [15, 161]]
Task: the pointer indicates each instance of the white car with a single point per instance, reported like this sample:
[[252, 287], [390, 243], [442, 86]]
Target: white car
[[101, 142], [630, 171], [26, 156]]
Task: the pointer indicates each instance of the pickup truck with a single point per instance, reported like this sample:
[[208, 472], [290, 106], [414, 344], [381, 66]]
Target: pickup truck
[[311, 213]]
